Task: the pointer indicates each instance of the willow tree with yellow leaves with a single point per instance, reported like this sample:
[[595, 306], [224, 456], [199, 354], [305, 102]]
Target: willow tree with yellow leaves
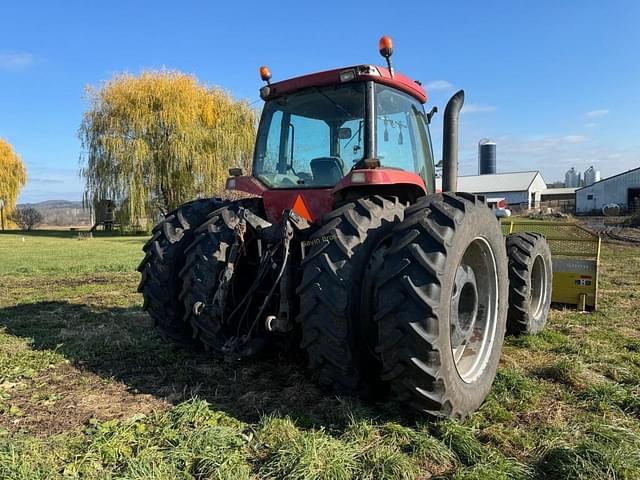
[[156, 140], [13, 176]]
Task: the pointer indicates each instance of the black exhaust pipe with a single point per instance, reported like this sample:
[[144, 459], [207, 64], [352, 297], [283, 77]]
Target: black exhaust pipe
[[450, 142]]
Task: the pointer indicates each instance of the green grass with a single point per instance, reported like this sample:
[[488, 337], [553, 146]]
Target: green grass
[[61, 252], [89, 390]]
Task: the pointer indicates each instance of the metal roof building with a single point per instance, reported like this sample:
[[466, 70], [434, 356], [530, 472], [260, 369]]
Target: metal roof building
[[564, 192], [563, 199], [519, 189], [622, 189]]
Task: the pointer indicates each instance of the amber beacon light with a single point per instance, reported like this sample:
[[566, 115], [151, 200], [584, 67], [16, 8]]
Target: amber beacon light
[[386, 46], [265, 73], [386, 50]]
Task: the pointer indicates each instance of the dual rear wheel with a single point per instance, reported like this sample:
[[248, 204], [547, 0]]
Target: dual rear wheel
[[417, 300], [411, 300], [336, 292], [442, 305], [160, 283]]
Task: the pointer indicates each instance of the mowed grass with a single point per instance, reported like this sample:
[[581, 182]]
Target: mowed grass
[[63, 252], [89, 390]]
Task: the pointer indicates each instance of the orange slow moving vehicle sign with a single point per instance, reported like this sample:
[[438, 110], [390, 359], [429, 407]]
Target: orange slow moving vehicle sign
[[301, 208]]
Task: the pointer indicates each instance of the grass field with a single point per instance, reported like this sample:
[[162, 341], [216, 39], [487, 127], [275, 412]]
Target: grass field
[[89, 390]]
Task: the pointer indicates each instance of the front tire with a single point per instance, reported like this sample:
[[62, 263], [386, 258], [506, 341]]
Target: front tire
[[530, 279], [442, 305]]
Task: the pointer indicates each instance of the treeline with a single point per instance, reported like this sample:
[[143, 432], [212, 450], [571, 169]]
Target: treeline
[[61, 213]]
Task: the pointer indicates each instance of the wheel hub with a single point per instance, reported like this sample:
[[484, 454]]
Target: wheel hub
[[464, 306]]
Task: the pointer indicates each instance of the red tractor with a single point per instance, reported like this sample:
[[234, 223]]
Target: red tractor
[[346, 249]]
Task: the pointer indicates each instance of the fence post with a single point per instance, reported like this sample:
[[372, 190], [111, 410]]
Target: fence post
[[2, 212]]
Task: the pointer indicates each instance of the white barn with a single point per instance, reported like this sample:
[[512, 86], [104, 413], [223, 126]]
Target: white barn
[[519, 189], [622, 189]]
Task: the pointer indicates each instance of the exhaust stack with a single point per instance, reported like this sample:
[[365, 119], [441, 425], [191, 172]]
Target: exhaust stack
[[450, 142]]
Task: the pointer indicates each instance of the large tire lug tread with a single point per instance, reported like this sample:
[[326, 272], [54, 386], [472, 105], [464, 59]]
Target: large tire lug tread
[[205, 262], [330, 293], [523, 248], [160, 283], [413, 333]]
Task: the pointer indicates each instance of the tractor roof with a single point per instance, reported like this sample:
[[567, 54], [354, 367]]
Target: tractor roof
[[343, 75]]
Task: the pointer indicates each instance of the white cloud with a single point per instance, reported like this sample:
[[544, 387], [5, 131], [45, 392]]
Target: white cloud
[[540, 146], [597, 113], [574, 139], [46, 179], [591, 125], [15, 61], [478, 108], [438, 85]]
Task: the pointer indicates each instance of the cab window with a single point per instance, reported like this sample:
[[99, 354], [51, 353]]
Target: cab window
[[403, 139]]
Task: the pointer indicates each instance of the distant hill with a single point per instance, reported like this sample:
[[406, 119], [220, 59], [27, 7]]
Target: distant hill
[[61, 212], [52, 204]]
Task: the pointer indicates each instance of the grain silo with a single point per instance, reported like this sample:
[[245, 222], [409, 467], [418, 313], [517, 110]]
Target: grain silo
[[486, 157], [591, 176], [572, 178]]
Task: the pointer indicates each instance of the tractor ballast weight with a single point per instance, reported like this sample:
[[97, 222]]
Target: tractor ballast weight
[[347, 251]]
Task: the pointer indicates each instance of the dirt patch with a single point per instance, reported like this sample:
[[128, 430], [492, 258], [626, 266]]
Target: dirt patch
[[549, 412], [621, 235], [614, 230], [85, 280], [64, 397]]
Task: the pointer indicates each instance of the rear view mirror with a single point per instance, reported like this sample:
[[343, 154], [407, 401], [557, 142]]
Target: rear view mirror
[[344, 133], [235, 172]]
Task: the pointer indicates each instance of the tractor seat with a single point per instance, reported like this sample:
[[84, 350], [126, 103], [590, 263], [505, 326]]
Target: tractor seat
[[326, 170]]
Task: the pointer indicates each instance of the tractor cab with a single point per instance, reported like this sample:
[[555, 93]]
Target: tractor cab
[[317, 130], [313, 136]]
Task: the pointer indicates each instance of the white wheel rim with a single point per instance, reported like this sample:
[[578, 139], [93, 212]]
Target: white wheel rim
[[538, 292], [472, 356]]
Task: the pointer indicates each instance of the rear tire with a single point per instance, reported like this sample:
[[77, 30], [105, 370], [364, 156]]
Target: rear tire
[[338, 275], [530, 279], [442, 305], [206, 260], [160, 284]]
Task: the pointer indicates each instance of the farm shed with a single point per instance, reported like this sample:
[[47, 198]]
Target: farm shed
[[560, 198], [519, 189], [622, 189]]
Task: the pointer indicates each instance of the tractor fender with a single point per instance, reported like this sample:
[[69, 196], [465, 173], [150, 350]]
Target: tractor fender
[[407, 186], [247, 184]]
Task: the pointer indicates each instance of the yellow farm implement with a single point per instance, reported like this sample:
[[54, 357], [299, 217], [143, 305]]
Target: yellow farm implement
[[576, 255]]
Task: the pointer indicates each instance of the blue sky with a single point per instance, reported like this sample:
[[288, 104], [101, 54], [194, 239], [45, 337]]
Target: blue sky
[[554, 83]]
